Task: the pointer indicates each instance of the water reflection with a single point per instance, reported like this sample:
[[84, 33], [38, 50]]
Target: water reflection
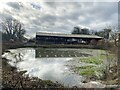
[[58, 53], [54, 69]]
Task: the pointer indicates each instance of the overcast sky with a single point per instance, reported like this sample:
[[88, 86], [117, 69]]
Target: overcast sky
[[60, 16]]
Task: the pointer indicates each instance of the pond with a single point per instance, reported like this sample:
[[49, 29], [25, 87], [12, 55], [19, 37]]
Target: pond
[[49, 64]]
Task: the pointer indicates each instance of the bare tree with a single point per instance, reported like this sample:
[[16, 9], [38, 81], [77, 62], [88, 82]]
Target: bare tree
[[12, 29], [117, 43], [116, 37]]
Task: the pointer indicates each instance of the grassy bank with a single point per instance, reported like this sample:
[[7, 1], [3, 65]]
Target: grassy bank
[[100, 66], [92, 68]]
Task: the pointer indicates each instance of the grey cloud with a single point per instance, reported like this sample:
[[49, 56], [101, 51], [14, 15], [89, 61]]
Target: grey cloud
[[48, 18], [51, 4], [6, 16], [14, 5], [63, 16]]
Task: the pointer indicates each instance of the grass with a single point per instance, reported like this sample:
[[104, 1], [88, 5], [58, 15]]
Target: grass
[[89, 71], [85, 70], [93, 59], [85, 67], [92, 71], [96, 65]]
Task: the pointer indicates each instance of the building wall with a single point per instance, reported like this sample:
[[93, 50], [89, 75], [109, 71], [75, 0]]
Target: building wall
[[62, 40]]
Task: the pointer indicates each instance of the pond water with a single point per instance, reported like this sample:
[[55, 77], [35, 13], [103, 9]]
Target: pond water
[[48, 64]]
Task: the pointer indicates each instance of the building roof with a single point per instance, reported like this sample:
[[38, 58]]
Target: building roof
[[68, 35]]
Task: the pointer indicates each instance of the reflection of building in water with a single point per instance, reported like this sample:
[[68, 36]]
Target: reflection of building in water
[[47, 53], [55, 38]]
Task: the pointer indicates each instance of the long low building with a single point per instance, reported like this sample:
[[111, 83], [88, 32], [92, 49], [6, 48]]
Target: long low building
[[58, 38]]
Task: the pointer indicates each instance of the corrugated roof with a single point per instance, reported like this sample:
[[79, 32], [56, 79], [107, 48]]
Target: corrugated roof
[[67, 35]]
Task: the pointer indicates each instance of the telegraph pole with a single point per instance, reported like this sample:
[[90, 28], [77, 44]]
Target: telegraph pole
[[118, 47], [118, 57]]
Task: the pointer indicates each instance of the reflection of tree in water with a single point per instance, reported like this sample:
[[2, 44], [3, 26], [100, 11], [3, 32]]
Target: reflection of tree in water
[[18, 56]]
